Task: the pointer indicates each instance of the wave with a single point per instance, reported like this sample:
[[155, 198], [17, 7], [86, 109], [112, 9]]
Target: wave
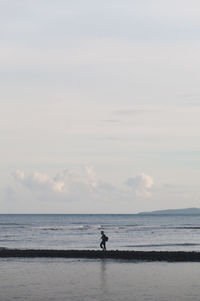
[[108, 227], [157, 228], [97, 227], [89, 227], [163, 245], [187, 227], [10, 224], [7, 240], [71, 227]]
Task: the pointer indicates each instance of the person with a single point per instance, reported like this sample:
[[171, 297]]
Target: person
[[104, 238]]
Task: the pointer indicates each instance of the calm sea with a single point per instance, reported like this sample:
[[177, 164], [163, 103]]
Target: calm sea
[[97, 280], [125, 232]]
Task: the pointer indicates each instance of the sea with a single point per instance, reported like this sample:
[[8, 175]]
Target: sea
[[100, 279], [77, 231]]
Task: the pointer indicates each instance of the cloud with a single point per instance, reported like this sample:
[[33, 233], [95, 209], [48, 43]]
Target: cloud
[[70, 185], [141, 184], [66, 184], [19, 174], [39, 180]]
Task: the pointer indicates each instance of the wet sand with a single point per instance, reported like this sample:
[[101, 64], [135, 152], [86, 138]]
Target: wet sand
[[168, 256]]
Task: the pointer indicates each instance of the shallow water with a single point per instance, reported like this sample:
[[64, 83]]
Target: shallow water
[[100, 280]]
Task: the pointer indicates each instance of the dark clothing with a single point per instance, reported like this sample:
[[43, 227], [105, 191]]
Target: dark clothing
[[103, 241]]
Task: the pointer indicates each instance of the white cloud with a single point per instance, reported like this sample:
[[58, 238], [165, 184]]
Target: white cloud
[[38, 180], [83, 186], [19, 174], [141, 184]]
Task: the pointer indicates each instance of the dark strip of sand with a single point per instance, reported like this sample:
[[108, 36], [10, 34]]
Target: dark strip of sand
[[113, 254]]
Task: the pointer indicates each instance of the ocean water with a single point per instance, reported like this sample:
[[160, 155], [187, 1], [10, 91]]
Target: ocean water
[[97, 280], [125, 232]]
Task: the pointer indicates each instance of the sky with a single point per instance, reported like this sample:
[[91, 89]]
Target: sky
[[99, 106]]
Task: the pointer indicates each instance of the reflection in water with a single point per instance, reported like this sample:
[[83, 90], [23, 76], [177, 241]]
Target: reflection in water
[[103, 279]]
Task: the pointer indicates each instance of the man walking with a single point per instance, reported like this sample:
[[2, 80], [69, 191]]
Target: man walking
[[104, 239]]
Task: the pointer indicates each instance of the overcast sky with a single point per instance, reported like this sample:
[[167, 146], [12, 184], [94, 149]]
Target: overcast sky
[[100, 105]]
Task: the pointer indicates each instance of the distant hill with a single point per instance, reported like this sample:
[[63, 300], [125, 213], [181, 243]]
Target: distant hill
[[189, 211]]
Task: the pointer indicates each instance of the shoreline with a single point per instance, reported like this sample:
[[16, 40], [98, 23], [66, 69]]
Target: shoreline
[[169, 256]]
